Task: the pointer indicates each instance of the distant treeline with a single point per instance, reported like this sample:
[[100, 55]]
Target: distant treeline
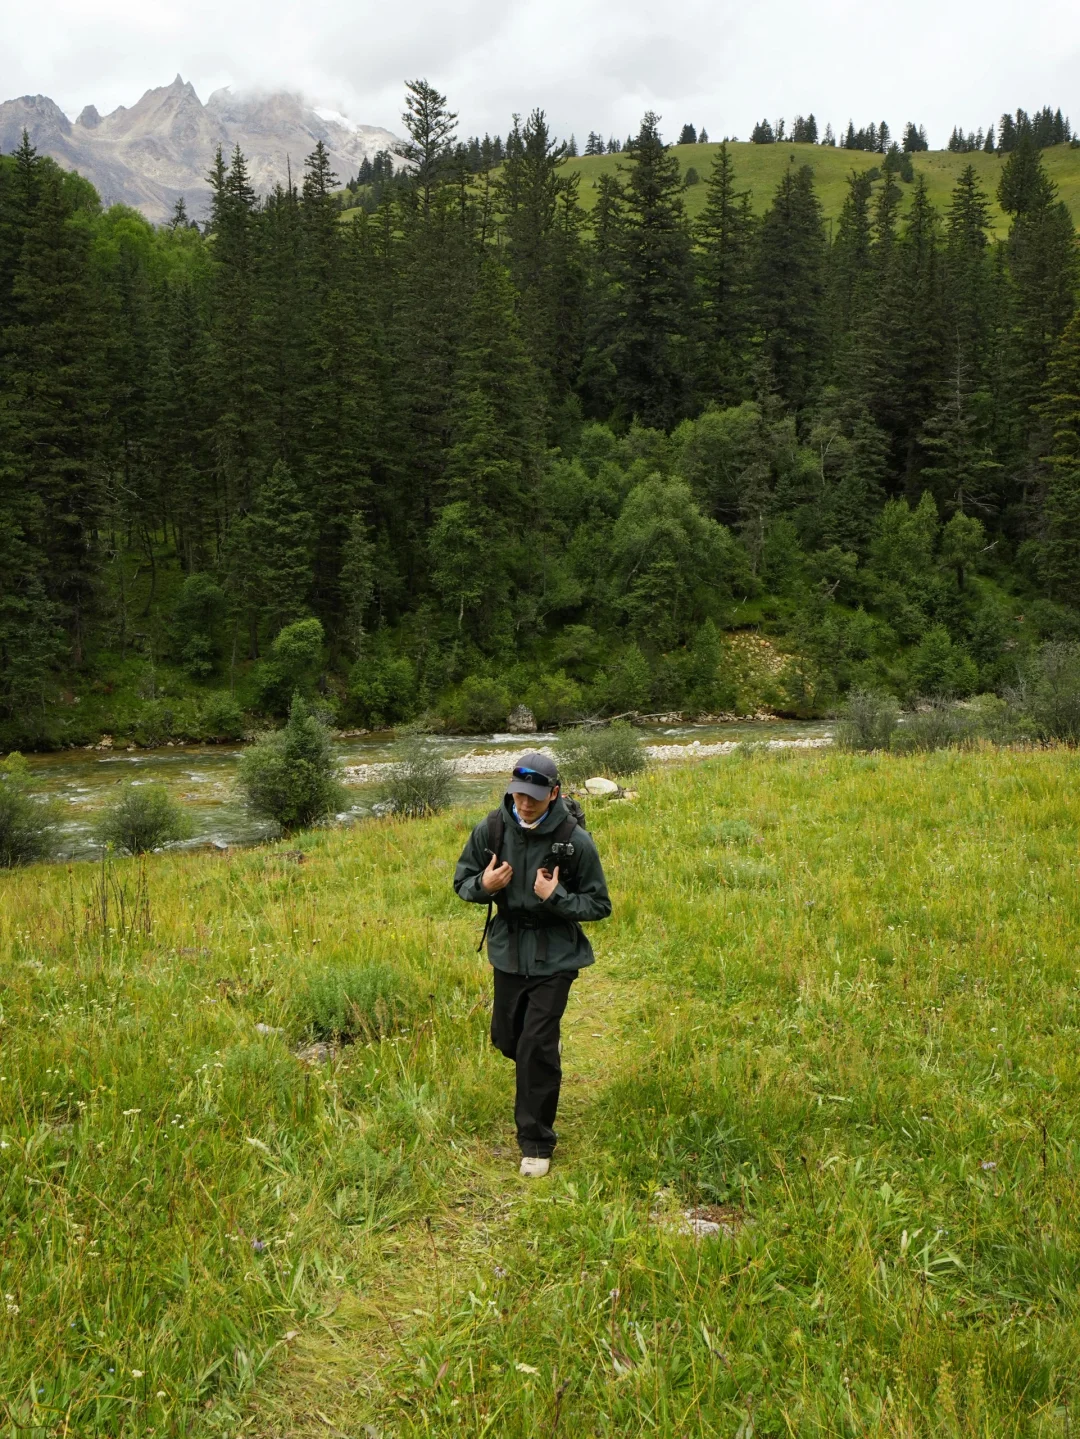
[[1046, 127], [482, 445]]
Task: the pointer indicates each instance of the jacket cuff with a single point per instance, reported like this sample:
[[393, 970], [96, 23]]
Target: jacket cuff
[[557, 895]]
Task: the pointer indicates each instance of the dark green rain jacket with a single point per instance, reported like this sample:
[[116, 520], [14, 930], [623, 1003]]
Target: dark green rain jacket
[[529, 935]]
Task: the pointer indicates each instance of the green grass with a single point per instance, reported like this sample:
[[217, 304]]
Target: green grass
[[838, 997], [760, 168]]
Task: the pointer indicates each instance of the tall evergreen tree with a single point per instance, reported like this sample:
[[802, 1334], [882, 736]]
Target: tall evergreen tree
[[652, 353], [52, 416], [542, 224], [1061, 502], [790, 285], [725, 235]]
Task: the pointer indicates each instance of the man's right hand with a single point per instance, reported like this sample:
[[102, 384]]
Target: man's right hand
[[496, 877]]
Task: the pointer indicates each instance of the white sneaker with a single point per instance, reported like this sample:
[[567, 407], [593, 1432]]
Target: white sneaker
[[534, 1168]]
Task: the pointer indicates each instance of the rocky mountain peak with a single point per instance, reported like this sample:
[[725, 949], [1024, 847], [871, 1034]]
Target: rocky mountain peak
[[161, 148]]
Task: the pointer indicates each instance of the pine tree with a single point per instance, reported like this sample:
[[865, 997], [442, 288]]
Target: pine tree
[[790, 285], [724, 236], [431, 127], [234, 372], [542, 225], [51, 421], [271, 561], [1043, 265], [653, 362], [338, 399], [849, 263], [968, 290], [1061, 501]]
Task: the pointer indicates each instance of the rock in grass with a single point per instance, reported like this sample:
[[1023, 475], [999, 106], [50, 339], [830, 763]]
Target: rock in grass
[[317, 1053], [599, 785]]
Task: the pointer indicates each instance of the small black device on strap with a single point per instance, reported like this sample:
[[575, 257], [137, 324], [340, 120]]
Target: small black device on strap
[[563, 853]]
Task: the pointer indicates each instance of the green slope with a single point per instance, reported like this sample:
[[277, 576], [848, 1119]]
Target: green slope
[[758, 168]]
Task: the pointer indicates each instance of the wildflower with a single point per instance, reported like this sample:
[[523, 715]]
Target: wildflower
[[258, 1245], [526, 1369], [136, 1374], [988, 1164], [129, 1112]]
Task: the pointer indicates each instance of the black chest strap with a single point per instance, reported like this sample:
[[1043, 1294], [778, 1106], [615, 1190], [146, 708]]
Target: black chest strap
[[562, 852]]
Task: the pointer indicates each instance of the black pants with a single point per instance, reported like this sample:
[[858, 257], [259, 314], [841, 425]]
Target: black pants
[[525, 1027]]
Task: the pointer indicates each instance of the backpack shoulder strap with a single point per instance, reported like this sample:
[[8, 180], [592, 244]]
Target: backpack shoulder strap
[[496, 833], [496, 830]]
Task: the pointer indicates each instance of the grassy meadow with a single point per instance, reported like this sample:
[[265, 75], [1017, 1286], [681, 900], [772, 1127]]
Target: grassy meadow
[[760, 168], [838, 1004]]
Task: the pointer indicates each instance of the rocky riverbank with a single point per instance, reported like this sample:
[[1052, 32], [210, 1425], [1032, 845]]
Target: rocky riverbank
[[481, 764]]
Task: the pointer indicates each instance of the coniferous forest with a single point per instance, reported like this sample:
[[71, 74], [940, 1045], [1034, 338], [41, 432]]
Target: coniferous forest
[[475, 446]]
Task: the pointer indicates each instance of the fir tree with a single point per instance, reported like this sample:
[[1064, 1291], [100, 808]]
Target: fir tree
[[430, 126], [51, 421], [652, 359], [790, 285], [1061, 503], [272, 557], [724, 236]]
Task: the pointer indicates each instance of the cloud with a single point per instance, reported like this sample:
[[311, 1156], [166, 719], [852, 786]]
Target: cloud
[[591, 64]]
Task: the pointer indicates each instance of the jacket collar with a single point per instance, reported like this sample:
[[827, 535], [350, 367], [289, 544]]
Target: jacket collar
[[551, 821]]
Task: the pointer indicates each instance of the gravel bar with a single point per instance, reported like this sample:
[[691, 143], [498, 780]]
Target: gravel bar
[[478, 764]]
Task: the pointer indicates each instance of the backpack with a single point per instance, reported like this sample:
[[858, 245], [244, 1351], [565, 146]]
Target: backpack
[[562, 848]]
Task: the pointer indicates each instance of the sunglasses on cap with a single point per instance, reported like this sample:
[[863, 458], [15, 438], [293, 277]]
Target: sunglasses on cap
[[532, 776]]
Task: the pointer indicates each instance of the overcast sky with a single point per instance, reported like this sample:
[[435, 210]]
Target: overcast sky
[[591, 64]]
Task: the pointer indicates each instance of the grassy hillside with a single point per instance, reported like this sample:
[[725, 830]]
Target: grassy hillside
[[835, 1001], [759, 169]]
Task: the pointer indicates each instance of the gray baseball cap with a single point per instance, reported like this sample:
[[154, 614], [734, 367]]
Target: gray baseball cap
[[530, 764]]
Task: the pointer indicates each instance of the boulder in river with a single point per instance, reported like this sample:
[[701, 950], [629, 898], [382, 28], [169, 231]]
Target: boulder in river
[[521, 720]]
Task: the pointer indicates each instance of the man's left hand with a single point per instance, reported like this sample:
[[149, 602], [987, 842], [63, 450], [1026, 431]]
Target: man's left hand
[[546, 884]]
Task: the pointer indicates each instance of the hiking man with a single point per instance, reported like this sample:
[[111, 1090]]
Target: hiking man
[[534, 862]]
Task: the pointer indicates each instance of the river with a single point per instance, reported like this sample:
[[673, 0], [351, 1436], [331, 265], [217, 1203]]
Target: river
[[203, 777]]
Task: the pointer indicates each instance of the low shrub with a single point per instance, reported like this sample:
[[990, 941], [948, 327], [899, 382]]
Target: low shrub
[[28, 826], [1049, 694], [221, 719], [145, 817], [359, 1002], [555, 699], [159, 720], [420, 783], [478, 706], [615, 751], [867, 721], [936, 725], [290, 776], [383, 690]]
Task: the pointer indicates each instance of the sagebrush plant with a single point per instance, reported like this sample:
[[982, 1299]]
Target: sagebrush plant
[[28, 826], [420, 782], [291, 776], [142, 818], [357, 1001], [831, 998], [868, 720], [1050, 692], [614, 751], [936, 724]]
